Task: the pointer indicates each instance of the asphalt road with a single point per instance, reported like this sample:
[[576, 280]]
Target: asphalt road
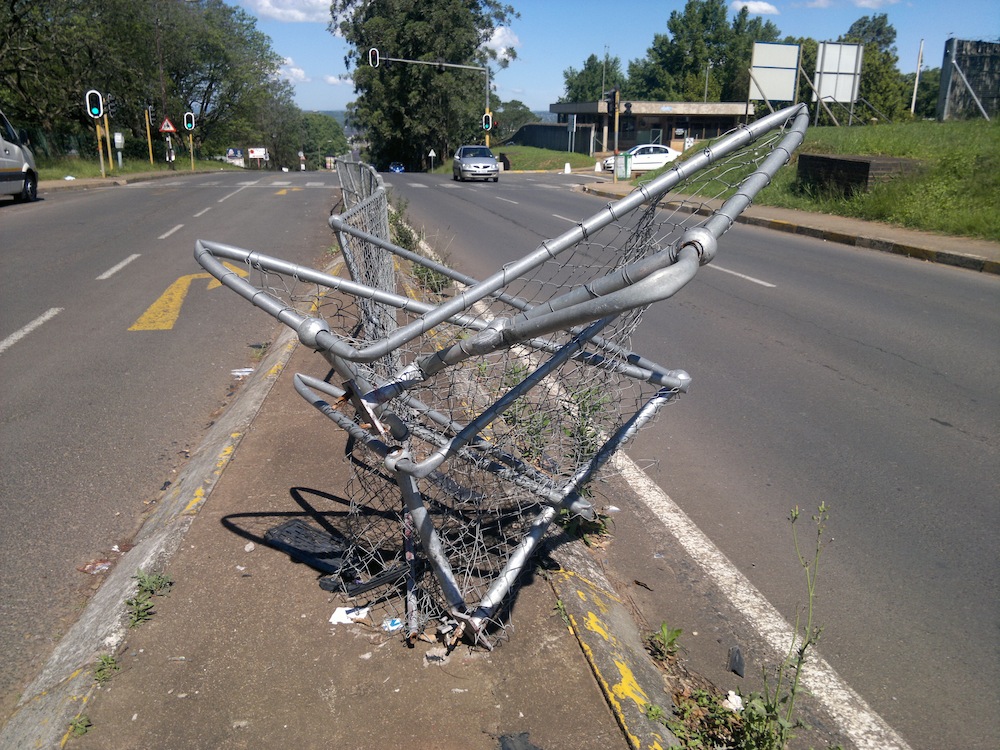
[[96, 417], [821, 374]]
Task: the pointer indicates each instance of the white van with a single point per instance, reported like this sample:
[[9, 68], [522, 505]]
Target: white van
[[18, 173]]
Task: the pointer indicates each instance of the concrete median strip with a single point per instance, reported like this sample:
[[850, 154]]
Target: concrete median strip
[[612, 645]]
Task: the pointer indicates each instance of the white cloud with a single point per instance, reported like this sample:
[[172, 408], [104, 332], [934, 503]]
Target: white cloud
[[874, 4], [818, 4], [291, 72], [338, 80], [756, 7], [503, 39], [292, 11]]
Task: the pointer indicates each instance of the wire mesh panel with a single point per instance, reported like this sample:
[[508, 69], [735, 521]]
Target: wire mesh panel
[[479, 410]]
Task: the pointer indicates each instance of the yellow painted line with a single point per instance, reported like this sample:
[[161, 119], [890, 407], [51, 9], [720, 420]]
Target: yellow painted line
[[628, 686], [163, 314], [192, 507], [286, 191]]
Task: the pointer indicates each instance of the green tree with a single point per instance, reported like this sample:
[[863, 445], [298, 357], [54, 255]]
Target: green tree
[[509, 117], [703, 57], [925, 107], [731, 71], [596, 77], [176, 55], [881, 85], [322, 137], [408, 109]]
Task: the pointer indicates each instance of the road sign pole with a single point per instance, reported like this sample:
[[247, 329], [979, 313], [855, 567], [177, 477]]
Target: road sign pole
[[191, 147], [149, 137]]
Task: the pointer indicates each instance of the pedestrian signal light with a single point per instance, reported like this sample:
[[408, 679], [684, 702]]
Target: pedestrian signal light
[[487, 121], [95, 103], [189, 120]]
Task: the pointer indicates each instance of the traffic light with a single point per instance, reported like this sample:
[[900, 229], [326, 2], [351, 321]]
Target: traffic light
[[95, 104], [189, 120], [612, 99], [487, 121]]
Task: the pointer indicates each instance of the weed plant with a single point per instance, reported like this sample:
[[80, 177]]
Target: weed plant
[[107, 667], [767, 720], [140, 607]]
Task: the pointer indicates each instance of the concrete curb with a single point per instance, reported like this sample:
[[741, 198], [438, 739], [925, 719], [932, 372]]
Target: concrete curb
[[66, 683], [612, 645]]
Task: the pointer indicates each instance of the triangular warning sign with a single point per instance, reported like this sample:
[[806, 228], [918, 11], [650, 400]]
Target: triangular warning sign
[[167, 126]]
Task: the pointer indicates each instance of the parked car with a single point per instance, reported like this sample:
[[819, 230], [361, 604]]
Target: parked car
[[18, 173], [646, 157], [396, 167], [475, 163]]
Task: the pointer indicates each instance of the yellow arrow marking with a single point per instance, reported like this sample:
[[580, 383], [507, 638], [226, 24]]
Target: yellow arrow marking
[[162, 314]]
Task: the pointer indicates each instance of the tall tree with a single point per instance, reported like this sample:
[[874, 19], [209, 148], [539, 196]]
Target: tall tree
[[322, 136], [509, 117], [408, 109], [881, 87], [596, 77], [732, 70]]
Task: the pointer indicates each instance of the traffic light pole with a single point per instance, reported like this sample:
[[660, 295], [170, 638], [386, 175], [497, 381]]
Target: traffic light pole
[[100, 147], [107, 137], [374, 59]]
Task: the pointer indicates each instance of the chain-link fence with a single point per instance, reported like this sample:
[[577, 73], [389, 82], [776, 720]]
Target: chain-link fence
[[477, 411]]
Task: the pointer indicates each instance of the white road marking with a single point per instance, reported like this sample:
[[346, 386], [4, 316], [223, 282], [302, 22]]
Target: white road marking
[[115, 269], [566, 218], [315, 184], [167, 234], [20, 334], [508, 200], [854, 716], [203, 212], [742, 276], [244, 186]]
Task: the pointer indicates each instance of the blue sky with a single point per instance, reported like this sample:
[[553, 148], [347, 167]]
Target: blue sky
[[553, 35]]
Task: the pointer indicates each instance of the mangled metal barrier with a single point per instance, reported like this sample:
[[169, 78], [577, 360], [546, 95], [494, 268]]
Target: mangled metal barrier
[[477, 411]]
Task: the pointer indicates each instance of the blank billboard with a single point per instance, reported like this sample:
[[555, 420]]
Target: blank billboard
[[774, 68], [838, 71]]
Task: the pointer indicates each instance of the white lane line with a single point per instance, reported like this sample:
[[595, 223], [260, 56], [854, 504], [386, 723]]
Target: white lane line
[[850, 711], [566, 218], [508, 200], [315, 184], [167, 234], [203, 212], [244, 186], [20, 334], [742, 276], [115, 269]]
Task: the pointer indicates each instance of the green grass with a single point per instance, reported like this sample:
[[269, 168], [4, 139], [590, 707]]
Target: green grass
[[81, 168], [955, 192]]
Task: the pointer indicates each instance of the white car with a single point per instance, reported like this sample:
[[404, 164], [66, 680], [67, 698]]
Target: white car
[[18, 173], [646, 157]]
